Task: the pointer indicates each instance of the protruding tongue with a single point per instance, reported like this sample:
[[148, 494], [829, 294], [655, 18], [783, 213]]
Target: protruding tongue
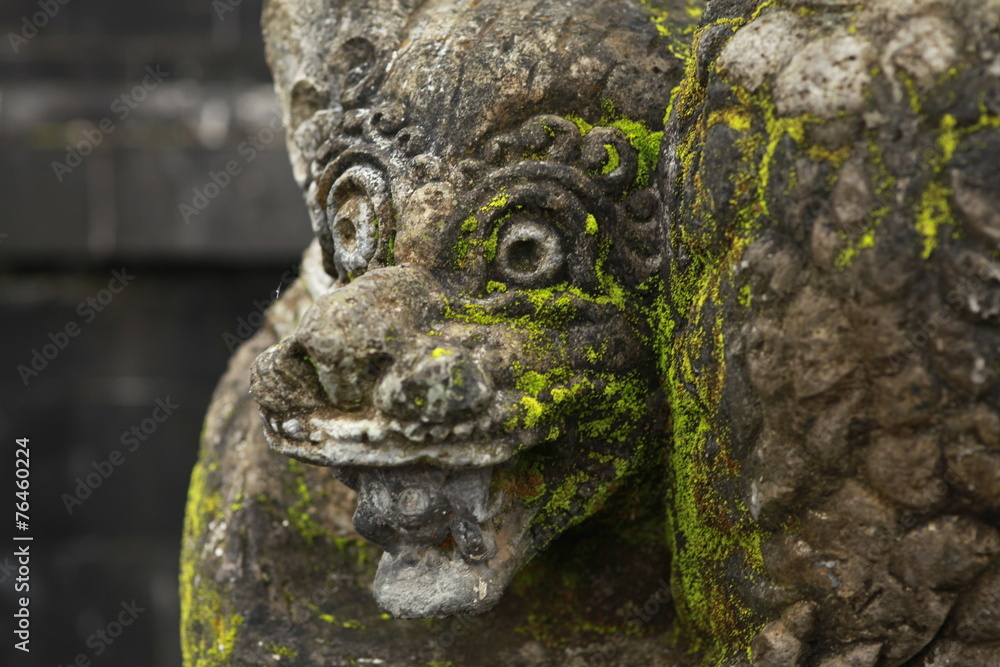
[[416, 506]]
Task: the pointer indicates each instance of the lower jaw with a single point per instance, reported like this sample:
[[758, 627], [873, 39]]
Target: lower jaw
[[422, 575], [432, 582]]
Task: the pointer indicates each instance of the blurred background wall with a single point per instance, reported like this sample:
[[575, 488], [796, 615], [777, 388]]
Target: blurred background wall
[[114, 116]]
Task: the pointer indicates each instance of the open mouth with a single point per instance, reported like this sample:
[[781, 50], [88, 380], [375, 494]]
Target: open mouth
[[382, 442], [451, 542]]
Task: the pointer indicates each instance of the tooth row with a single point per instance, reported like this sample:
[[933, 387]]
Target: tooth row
[[360, 430], [369, 430], [418, 432]]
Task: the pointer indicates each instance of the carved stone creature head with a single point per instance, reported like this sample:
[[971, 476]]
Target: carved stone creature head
[[476, 360]]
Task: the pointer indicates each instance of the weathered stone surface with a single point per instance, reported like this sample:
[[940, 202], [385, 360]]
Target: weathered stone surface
[[779, 333], [868, 363], [469, 348]]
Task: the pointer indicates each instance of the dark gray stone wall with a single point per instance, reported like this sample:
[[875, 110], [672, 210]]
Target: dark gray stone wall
[[114, 115], [167, 334]]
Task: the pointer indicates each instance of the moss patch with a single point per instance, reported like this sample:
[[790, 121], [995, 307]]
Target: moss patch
[[208, 626]]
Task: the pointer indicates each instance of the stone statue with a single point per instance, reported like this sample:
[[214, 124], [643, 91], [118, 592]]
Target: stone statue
[[633, 333]]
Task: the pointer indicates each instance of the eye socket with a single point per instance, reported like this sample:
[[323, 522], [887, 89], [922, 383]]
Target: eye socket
[[351, 236], [355, 212], [530, 252]]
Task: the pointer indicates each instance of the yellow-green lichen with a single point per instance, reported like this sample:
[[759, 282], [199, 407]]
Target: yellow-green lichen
[[746, 296], [300, 513], [281, 651], [884, 185], [708, 530], [613, 159], [499, 201], [645, 142], [208, 627], [933, 212], [390, 253]]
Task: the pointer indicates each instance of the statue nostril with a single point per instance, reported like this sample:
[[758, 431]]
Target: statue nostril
[[378, 366], [282, 379], [348, 381]]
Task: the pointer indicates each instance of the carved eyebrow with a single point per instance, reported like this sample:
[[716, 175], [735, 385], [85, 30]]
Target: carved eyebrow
[[543, 197], [349, 158]]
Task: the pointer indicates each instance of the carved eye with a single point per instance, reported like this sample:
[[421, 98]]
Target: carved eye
[[530, 252], [353, 220]]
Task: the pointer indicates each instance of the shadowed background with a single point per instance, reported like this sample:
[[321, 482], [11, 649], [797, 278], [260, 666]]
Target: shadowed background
[[138, 104]]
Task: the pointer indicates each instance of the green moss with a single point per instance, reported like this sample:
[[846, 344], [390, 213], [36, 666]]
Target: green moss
[[658, 17], [591, 227], [643, 140], [737, 118], [533, 411], [912, 94], [933, 212], [492, 287], [468, 228], [490, 244], [746, 296], [499, 201], [580, 123], [208, 628], [283, 651], [934, 208], [348, 624], [300, 514], [675, 28], [709, 531], [593, 355], [948, 137], [390, 255], [885, 184], [614, 159], [557, 588], [820, 153], [533, 383]]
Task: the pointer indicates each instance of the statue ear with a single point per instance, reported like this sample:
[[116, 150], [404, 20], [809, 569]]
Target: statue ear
[[608, 153], [638, 250], [358, 71], [305, 101]]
